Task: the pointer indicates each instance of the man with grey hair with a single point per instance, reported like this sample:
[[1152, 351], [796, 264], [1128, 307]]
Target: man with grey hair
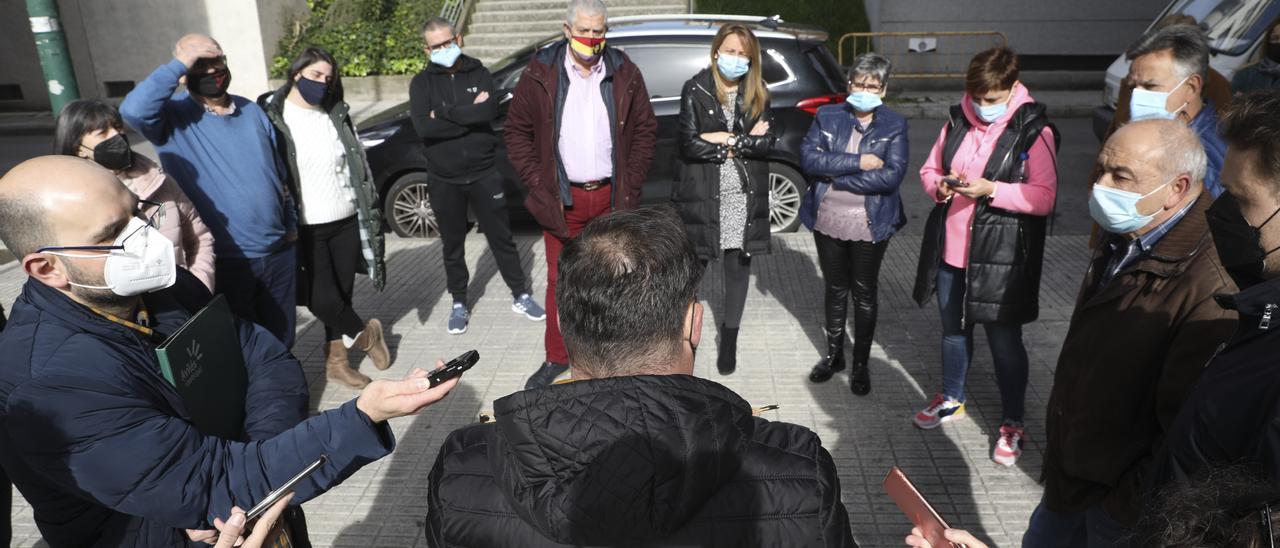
[[580, 132], [1144, 325], [1168, 72], [452, 110]]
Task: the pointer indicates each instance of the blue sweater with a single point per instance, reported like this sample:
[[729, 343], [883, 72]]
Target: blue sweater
[[227, 165], [1205, 125]]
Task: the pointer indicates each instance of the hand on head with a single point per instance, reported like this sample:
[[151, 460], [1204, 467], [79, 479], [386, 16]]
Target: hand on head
[[384, 399], [193, 47]]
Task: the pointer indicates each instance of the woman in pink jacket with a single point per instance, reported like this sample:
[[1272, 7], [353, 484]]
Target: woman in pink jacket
[[992, 173], [94, 130]]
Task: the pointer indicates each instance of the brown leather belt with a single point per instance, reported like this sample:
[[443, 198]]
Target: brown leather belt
[[593, 185]]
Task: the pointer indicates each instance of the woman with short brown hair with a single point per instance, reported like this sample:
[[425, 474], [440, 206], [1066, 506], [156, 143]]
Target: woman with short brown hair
[[992, 173]]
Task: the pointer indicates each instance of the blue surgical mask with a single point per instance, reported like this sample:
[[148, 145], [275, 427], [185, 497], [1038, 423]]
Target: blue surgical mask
[[732, 67], [990, 113], [311, 91], [864, 101], [1147, 104], [1116, 211], [446, 56]]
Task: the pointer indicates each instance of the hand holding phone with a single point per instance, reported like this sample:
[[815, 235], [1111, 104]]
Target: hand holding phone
[[454, 368], [280, 492], [918, 510], [955, 182]]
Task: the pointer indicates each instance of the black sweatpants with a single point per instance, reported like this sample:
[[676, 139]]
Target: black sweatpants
[[737, 280], [331, 254], [487, 199]]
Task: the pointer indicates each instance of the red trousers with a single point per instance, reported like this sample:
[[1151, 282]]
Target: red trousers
[[587, 205]]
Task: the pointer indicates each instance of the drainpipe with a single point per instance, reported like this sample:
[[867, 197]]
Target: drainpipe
[[51, 44]]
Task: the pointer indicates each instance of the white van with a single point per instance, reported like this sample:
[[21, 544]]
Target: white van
[[1235, 29]]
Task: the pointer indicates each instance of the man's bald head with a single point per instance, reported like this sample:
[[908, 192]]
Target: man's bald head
[[49, 199], [1168, 144], [194, 39]]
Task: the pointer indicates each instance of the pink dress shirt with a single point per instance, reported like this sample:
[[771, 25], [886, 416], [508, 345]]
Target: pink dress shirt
[[586, 144]]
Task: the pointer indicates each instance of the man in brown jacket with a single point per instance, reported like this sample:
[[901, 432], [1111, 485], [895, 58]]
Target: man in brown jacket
[[580, 132], [1144, 325]]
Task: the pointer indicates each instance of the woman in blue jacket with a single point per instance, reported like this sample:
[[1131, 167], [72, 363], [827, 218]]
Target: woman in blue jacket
[[856, 155]]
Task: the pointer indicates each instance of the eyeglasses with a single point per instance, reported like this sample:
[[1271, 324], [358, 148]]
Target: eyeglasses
[[154, 219], [873, 88], [439, 47]]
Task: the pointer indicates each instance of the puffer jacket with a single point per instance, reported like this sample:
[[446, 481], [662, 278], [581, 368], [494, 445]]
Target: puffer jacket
[[696, 196], [192, 240], [364, 189], [823, 156], [106, 454], [634, 461]]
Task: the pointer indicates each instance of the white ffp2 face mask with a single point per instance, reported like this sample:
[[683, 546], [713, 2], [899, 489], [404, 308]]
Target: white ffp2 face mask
[[145, 264]]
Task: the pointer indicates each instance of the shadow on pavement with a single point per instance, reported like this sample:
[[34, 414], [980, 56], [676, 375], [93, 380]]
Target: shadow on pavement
[[396, 514]]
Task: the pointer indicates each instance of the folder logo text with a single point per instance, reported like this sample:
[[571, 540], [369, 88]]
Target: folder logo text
[[192, 369]]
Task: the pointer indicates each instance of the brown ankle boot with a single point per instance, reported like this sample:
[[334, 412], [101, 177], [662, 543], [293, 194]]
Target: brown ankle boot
[[372, 343], [338, 369]]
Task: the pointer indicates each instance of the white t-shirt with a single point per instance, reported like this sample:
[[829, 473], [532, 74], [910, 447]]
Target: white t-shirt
[[324, 177]]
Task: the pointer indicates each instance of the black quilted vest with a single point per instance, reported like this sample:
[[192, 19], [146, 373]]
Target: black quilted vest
[[1002, 282]]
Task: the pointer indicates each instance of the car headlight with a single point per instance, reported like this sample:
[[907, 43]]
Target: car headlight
[[376, 136]]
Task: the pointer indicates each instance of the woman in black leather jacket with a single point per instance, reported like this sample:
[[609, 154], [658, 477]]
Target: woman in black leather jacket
[[857, 154], [723, 192]]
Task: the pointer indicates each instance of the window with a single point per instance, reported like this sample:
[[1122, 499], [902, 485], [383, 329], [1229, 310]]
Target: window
[[666, 67], [1232, 25], [118, 88]]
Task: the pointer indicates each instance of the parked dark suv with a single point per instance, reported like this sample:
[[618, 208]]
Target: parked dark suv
[[799, 70]]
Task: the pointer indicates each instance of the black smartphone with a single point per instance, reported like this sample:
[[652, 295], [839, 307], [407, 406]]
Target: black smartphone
[[454, 368], [954, 182], [274, 496]]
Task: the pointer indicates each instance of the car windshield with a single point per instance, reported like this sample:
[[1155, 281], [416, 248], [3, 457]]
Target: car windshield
[[1232, 25]]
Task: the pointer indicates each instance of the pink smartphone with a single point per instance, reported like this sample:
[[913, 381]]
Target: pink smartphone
[[918, 510]]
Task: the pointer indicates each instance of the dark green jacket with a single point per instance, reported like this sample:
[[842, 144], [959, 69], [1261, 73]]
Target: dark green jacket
[[365, 189]]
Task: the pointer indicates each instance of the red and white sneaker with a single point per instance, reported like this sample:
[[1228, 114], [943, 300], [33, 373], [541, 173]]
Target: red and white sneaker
[[941, 410], [1009, 446]]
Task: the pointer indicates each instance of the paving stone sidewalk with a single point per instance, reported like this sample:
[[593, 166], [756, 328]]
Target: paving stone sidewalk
[[385, 503]]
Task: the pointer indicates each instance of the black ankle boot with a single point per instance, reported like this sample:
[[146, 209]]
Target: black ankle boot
[[860, 376], [727, 359], [832, 362]]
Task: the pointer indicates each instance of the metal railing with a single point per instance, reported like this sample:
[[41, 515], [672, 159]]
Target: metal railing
[[457, 12], [921, 55]]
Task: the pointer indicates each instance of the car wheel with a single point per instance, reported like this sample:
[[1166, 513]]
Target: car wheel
[[408, 208], [786, 188]]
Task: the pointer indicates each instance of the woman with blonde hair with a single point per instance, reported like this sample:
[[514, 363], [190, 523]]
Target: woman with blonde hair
[[723, 193]]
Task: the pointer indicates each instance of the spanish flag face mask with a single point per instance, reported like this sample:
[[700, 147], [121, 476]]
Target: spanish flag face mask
[[587, 49]]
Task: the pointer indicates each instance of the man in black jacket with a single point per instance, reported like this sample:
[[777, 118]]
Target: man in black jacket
[[634, 450], [1233, 414], [451, 107]]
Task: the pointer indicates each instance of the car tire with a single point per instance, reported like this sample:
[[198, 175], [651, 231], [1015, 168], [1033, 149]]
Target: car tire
[[786, 189], [407, 208]]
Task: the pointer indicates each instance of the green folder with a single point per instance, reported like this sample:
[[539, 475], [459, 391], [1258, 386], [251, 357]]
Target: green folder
[[203, 361]]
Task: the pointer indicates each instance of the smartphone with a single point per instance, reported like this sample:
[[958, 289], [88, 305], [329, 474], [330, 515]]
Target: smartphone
[[918, 510], [454, 368], [954, 182], [274, 496]]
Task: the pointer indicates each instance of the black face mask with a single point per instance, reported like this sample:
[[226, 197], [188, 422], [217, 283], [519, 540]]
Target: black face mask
[[1273, 51], [114, 153], [1239, 243], [312, 92], [211, 85]]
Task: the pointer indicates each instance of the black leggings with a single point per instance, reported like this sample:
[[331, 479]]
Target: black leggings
[[330, 254], [851, 268], [737, 280]]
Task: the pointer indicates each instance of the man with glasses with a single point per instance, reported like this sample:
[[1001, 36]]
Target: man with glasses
[[91, 433], [580, 132], [221, 149], [452, 109]]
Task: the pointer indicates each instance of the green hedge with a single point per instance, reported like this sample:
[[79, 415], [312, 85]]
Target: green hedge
[[367, 37], [837, 16]]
